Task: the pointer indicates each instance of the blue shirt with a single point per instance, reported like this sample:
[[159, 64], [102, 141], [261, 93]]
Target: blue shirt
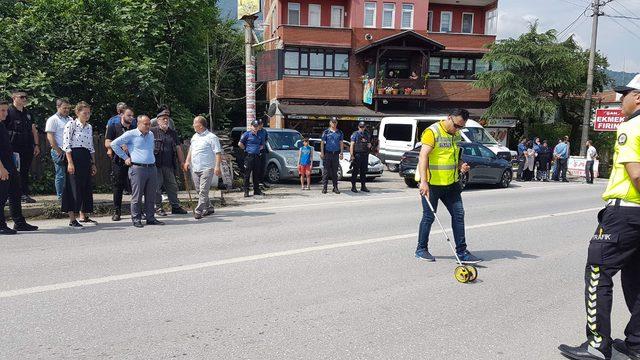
[[116, 120], [140, 146], [264, 135], [305, 155], [562, 150], [332, 140], [252, 142], [522, 148]]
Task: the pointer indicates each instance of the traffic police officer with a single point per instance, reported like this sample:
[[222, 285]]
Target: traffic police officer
[[359, 150], [331, 148], [252, 144], [438, 170], [264, 136], [615, 246]]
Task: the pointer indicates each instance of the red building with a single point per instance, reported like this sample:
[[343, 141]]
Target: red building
[[363, 60]]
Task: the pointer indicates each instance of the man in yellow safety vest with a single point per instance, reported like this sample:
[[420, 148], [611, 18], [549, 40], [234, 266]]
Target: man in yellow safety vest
[[439, 170]]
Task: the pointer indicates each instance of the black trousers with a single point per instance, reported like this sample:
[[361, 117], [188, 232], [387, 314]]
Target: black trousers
[[261, 168], [360, 166], [614, 247], [119, 183], [10, 189], [588, 171], [252, 171], [26, 158], [330, 163]]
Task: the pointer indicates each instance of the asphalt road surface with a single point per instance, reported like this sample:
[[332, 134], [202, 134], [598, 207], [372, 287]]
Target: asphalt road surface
[[307, 276]]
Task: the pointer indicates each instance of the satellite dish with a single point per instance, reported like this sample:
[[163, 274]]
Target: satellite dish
[[273, 107]]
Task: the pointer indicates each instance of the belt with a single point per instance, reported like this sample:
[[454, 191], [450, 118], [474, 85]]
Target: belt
[[620, 202], [144, 165], [333, 152]]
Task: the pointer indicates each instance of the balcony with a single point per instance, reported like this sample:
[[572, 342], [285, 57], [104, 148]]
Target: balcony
[[457, 42], [314, 88], [292, 35]]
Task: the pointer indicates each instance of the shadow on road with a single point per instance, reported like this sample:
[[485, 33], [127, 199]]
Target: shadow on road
[[489, 255]]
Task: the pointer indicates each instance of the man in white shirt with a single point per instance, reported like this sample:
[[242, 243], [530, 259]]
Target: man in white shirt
[[204, 159], [55, 129], [592, 155]]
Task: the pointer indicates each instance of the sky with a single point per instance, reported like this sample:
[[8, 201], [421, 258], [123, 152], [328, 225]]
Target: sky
[[618, 39]]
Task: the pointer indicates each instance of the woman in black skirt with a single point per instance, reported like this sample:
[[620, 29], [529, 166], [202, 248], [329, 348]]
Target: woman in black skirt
[[77, 196]]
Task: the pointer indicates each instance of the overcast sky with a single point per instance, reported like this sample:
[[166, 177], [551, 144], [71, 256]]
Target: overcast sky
[[619, 45]]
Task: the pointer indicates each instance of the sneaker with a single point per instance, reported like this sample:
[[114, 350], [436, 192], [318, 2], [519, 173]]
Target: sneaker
[[246, 194], [197, 216], [257, 193], [209, 211], [27, 199], [161, 212], [584, 352], [154, 222], [178, 210], [324, 191], [336, 191], [88, 220], [116, 217], [425, 255], [24, 227], [621, 348], [76, 225], [353, 189], [137, 223], [468, 258], [7, 231], [364, 189]]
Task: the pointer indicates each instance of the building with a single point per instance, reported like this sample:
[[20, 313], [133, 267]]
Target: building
[[359, 60]]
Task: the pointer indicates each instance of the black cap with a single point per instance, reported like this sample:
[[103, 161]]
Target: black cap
[[163, 113], [255, 123], [361, 124], [259, 121]]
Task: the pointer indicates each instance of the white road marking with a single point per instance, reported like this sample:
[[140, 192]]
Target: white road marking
[[209, 264]]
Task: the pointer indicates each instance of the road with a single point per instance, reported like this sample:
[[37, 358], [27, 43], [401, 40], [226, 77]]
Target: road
[[307, 276]]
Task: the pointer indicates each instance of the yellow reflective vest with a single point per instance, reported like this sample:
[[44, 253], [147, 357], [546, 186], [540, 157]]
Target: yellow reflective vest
[[444, 158]]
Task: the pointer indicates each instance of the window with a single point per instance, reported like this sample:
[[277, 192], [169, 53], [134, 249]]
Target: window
[[445, 21], [316, 62], [370, 15], [294, 14], [314, 15], [430, 21], [486, 153], [480, 135], [456, 68], [482, 66], [337, 16], [388, 16], [491, 23], [397, 68], [467, 23], [398, 132], [434, 67], [407, 16]]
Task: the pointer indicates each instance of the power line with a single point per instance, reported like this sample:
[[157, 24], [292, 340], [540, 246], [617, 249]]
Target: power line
[[572, 3], [627, 29], [621, 15], [574, 21], [627, 9]]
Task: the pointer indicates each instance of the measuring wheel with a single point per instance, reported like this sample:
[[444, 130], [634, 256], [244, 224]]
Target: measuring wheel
[[462, 274], [473, 272]]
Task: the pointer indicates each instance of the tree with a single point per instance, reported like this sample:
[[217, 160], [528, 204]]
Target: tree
[[538, 77]]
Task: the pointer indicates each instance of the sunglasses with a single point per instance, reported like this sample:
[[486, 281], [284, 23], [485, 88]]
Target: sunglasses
[[457, 126]]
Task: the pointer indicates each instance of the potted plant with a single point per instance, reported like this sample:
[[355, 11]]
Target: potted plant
[[380, 83], [395, 89], [424, 91], [388, 90], [408, 91]]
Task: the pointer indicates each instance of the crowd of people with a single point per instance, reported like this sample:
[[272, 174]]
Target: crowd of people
[[537, 161], [144, 153]]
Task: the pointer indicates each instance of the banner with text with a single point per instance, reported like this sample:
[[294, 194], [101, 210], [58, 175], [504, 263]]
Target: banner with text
[[608, 119]]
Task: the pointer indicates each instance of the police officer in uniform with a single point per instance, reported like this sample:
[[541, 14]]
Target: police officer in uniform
[[615, 246], [119, 171], [252, 144], [359, 150], [331, 148], [438, 170]]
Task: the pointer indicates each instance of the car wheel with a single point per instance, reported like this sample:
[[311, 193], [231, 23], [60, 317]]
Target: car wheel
[[393, 167], [410, 182], [464, 180], [505, 180], [340, 177], [273, 174]]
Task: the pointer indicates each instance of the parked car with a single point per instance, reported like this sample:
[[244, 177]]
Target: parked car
[[282, 158], [401, 134], [486, 167], [374, 169]]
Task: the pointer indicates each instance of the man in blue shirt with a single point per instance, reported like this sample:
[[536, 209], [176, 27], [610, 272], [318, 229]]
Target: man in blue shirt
[[264, 135], [142, 169], [561, 155], [522, 148], [331, 148], [115, 119], [252, 144]]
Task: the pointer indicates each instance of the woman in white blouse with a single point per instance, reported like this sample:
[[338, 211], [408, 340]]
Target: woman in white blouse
[[77, 196]]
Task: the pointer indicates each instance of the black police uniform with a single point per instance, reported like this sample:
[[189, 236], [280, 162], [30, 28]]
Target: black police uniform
[[252, 163], [19, 125], [360, 163], [119, 170], [9, 189]]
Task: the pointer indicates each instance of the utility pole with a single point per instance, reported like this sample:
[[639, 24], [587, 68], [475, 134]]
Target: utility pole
[[592, 60], [250, 69]]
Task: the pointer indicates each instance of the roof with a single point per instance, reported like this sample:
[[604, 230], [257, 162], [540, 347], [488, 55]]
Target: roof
[[408, 34]]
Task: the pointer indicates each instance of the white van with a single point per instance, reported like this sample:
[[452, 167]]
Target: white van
[[401, 134]]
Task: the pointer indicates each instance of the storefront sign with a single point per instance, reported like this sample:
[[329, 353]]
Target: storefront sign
[[328, 117], [576, 166], [608, 119], [499, 123], [248, 8]]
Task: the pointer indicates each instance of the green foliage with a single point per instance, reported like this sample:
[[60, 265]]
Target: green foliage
[[539, 78], [142, 52]]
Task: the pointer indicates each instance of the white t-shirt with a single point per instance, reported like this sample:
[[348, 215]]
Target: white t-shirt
[[55, 124], [591, 153], [204, 148]]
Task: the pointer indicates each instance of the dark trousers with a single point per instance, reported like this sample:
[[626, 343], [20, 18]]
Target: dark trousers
[[450, 196], [330, 165], [119, 183], [26, 158], [588, 171], [520, 168], [143, 183], [78, 188], [261, 168], [252, 171], [360, 166], [10, 189], [560, 171], [614, 247]]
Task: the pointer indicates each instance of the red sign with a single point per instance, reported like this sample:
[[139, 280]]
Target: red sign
[[608, 119]]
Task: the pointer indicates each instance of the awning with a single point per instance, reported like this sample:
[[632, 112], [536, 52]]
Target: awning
[[321, 112], [407, 39]]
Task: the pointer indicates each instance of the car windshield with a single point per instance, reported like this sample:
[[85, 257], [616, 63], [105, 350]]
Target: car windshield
[[479, 135], [285, 140]]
